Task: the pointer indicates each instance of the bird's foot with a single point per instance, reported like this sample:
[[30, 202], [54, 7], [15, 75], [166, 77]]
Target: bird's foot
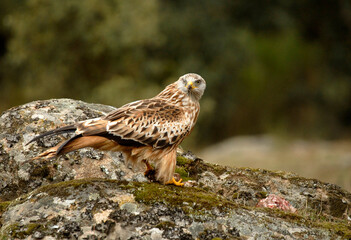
[[175, 182]]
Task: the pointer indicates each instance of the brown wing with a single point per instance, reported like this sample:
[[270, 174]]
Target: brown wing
[[152, 122]]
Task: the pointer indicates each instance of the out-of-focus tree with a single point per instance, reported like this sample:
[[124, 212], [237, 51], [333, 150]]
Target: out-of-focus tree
[[68, 48], [281, 66]]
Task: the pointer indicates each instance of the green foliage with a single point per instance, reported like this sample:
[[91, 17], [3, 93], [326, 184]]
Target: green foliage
[[268, 67], [67, 48]]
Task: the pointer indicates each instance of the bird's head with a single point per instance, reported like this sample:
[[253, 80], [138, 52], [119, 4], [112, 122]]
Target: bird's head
[[192, 84]]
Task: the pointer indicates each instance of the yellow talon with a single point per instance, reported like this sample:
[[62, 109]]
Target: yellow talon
[[177, 183]]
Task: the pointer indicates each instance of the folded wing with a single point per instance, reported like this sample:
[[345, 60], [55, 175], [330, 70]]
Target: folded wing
[[148, 122]]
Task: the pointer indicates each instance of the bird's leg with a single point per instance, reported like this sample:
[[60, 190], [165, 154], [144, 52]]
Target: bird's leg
[[148, 166], [175, 182], [150, 171], [150, 174]]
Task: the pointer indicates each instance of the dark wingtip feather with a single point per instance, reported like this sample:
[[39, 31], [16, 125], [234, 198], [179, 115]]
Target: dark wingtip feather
[[69, 128]]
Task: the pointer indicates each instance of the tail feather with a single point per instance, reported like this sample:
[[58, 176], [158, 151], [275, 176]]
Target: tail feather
[[62, 148], [75, 143], [79, 141], [69, 128]]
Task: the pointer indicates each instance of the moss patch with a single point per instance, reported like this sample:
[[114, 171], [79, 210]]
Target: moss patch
[[183, 173], [189, 199], [182, 161], [30, 228], [62, 189], [14, 231], [335, 225], [9, 231], [341, 228], [3, 206]]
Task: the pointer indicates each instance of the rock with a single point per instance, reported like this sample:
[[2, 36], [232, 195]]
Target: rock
[[66, 210], [18, 174], [92, 195]]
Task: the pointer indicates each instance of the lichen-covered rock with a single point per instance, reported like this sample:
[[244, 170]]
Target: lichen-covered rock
[[98, 209], [19, 174], [89, 194]]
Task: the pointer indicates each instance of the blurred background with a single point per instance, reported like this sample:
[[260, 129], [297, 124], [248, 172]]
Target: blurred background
[[278, 72]]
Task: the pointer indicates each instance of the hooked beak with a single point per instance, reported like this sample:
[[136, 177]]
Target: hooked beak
[[190, 85]]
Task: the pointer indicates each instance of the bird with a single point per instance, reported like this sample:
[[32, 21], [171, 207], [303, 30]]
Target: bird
[[146, 131]]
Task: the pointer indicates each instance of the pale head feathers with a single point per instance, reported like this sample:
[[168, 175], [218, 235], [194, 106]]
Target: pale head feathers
[[192, 84]]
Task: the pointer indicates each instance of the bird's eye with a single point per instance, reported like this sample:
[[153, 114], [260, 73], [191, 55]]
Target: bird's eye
[[197, 81], [185, 81]]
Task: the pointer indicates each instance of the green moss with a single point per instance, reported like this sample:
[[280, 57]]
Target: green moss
[[147, 193], [150, 193], [165, 225], [30, 228], [14, 231], [62, 189], [10, 231], [235, 196], [183, 173], [342, 228], [3, 206], [182, 161], [338, 226]]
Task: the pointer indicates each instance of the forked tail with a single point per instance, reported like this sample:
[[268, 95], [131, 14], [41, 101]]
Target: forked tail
[[76, 142], [54, 151], [66, 129]]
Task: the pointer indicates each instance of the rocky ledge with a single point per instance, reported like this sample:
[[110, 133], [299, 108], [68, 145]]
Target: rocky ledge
[[89, 194]]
